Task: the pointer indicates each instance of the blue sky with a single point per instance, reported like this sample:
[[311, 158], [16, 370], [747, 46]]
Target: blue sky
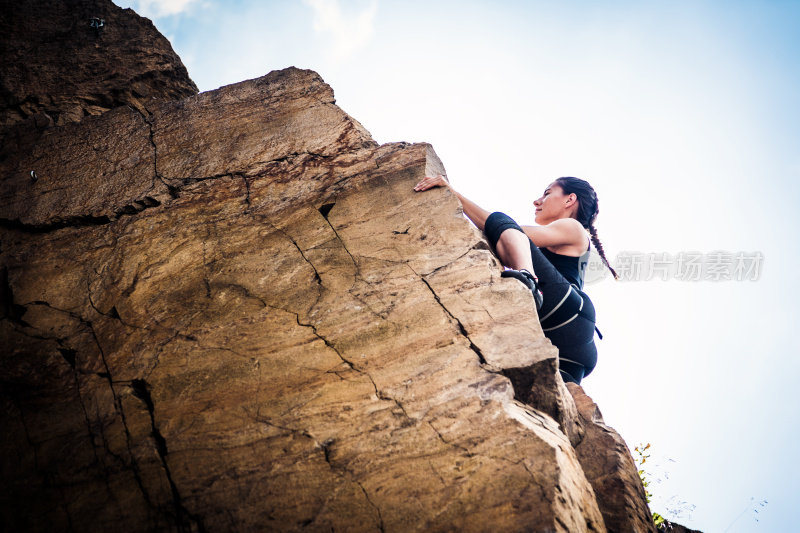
[[683, 115]]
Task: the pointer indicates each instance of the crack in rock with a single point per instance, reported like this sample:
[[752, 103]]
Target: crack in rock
[[357, 274], [82, 221], [147, 201], [77, 221], [132, 464], [378, 393], [183, 518], [283, 232], [461, 327], [453, 444], [377, 509], [325, 448]]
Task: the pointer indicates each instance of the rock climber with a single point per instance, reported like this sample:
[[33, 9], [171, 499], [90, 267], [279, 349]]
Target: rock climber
[[550, 259]]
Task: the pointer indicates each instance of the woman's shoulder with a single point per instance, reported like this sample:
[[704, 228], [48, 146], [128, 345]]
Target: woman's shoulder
[[560, 234], [567, 220], [570, 225], [576, 237]]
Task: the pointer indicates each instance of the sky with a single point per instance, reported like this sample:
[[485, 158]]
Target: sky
[[683, 115]]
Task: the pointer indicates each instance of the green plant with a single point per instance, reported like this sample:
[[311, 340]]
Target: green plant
[[640, 459]]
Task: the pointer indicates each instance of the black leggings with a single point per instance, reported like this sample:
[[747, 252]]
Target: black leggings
[[572, 333]]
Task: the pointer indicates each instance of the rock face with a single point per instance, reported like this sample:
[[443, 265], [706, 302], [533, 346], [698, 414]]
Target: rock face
[[231, 312], [57, 67], [610, 469]]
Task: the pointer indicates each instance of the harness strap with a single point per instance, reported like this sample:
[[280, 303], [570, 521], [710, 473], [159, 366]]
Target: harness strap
[[558, 305], [585, 315], [564, 317], [563, 312]]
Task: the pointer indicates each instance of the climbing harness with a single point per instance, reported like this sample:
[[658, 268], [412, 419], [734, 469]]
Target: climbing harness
[[558, 316]]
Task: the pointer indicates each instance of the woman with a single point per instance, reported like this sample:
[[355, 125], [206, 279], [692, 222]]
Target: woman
[[550, 259]]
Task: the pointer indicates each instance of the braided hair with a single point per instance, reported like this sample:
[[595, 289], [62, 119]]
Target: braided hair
[[588, 210]]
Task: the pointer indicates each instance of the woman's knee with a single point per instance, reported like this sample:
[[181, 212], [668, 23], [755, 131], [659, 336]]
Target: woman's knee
[[514, 245], [514, 236], [496, 224]]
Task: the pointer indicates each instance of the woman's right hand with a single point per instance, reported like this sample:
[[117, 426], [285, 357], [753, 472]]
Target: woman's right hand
[[429, 182]]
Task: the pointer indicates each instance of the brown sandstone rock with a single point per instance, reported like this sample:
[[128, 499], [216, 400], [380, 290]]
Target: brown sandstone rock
[[231, 312], [610, 469], [290, 337], [54, 63]]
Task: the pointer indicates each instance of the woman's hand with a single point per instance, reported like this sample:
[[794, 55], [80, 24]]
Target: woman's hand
[[474, 212], [429, 182]]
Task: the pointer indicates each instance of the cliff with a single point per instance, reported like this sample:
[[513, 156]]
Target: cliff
[[65, 59], [230, 311]]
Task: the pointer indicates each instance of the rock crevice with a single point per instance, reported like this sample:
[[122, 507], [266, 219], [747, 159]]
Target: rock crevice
[[232, 312], [461, 327]]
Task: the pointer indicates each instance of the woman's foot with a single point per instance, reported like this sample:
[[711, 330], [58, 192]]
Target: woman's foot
[[530, 281]]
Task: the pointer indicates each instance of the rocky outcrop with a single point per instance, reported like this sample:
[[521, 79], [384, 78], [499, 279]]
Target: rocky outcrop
[[232, 312], [58, 68], [610, 469], [285, 335]]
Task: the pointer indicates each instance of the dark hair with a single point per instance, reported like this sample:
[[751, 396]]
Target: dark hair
[[588, 209]]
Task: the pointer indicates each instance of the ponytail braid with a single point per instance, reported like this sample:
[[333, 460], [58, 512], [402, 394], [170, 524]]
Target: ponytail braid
[[599, 246], [588, 209]]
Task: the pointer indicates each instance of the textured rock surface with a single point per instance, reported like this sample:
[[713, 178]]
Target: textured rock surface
[[54, 63], [610, 468], [231, 312], [286, 336]]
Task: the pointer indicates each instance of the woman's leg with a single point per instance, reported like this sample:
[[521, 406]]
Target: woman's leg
[[573, 335], [514, 250], [508, 246], [577, 353]]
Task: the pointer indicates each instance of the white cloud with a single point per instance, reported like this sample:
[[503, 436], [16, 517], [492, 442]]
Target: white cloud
[[157, 8], [348, 31]]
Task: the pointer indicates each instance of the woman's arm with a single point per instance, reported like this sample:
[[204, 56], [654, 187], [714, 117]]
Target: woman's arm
[[474, 212], [562, 232]]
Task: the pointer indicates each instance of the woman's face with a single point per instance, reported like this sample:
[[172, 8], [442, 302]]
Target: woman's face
[[552, 205]]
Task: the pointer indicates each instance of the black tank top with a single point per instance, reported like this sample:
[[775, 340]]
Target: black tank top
[[572, 268]]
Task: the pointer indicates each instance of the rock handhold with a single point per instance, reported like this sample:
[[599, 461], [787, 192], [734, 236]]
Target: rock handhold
[[321, 346], [230, 311]]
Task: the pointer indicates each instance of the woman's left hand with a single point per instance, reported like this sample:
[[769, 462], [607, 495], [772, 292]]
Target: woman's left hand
[[429, 182]]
